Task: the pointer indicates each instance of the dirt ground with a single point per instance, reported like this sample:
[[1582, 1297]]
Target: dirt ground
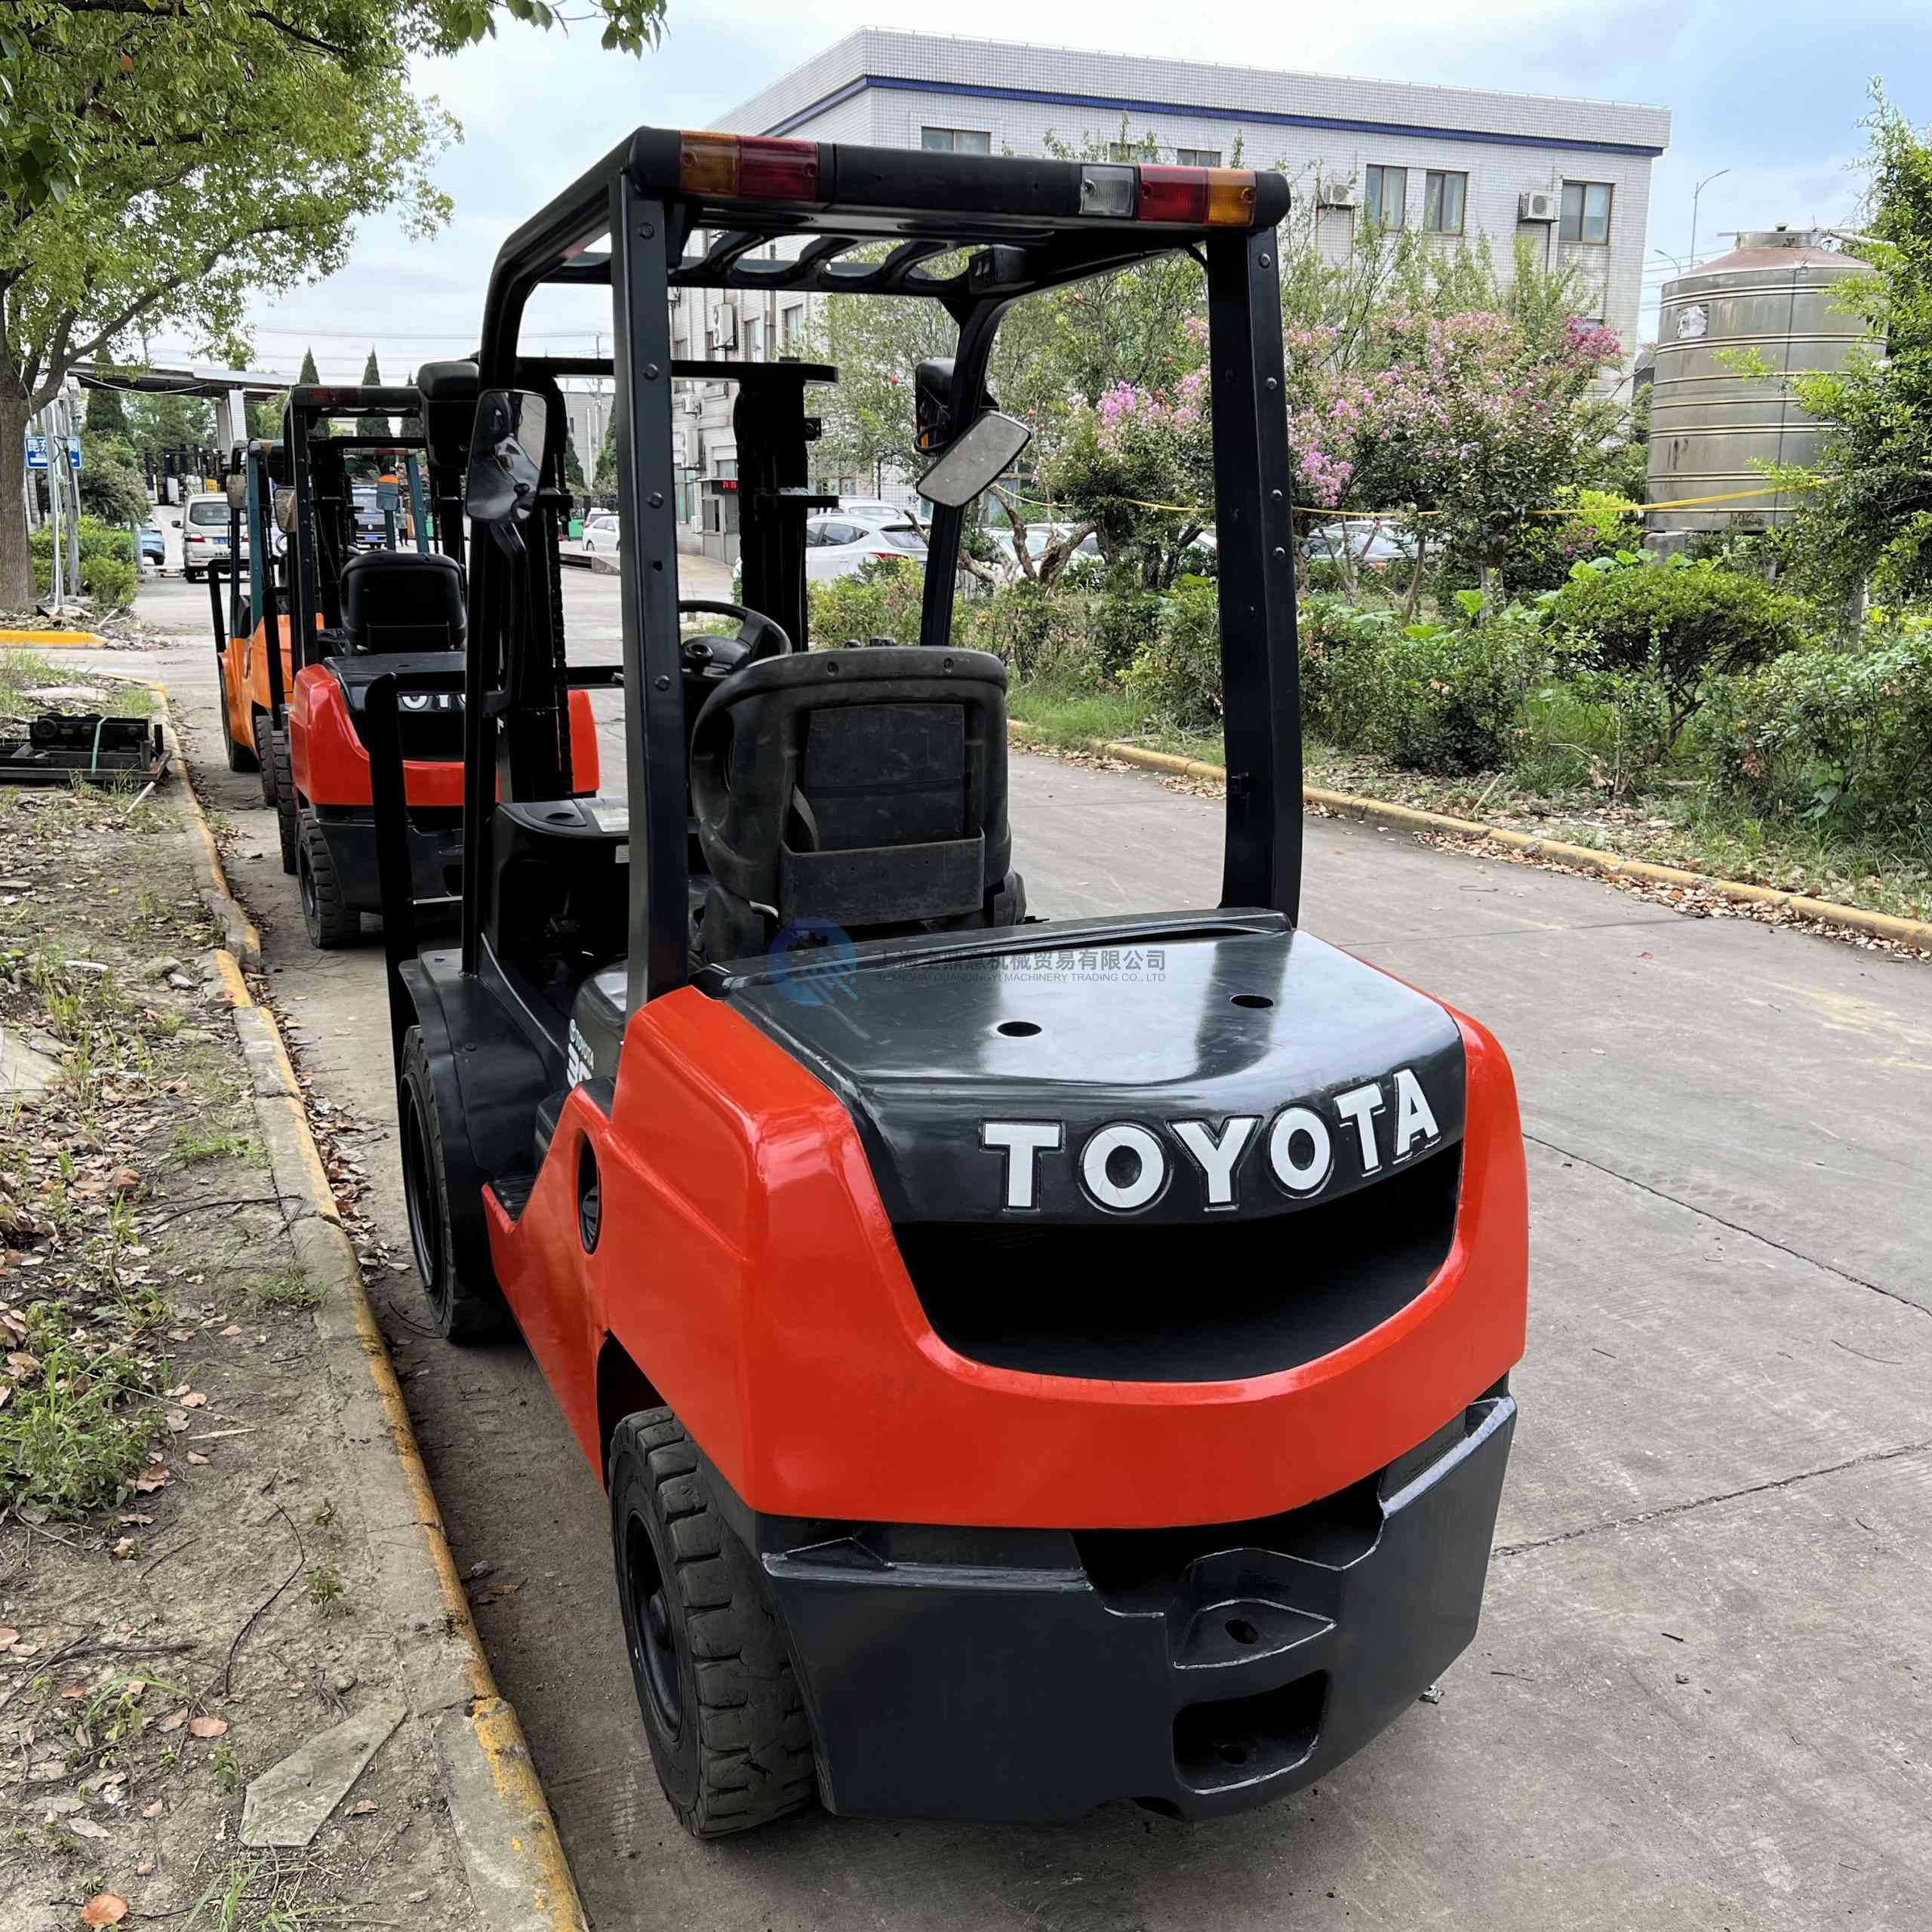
[[186, 1591]]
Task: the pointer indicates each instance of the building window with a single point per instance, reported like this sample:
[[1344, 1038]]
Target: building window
[[753, 338], [1197, 157], [1387, 203], [1443, 196], [1585, 211], [792, 326], [955, 140]]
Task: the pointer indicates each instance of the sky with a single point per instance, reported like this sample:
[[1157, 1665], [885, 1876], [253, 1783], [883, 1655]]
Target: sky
[[1771, 93]]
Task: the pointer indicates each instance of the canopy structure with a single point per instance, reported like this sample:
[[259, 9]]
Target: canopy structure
[[230, 390]]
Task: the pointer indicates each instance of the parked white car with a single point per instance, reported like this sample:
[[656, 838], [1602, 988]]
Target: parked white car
[[836, 544], [205, 536], [875, 512], [603, 535]]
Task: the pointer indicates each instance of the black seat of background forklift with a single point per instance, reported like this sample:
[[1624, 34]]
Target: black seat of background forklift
[[403, 600], [448, 390], [861, 787]]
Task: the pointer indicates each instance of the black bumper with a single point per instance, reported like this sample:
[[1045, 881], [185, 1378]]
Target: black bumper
[[435, 857], [1029, 1676]]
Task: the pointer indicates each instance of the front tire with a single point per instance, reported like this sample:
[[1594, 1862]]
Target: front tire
[[727, 1728], [463, 1311], [265, 756], [288, 819], [331, 923]]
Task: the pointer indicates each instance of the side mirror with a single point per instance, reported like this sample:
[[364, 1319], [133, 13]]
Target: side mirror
[[505, 456], [978, 460], [284, 510], [236, 484]]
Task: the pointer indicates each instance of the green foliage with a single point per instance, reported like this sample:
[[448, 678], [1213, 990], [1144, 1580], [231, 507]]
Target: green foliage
[[75, 1434], [1676, 626], [1121, 622], [307, 374], [108, 571], [1839, 738], [1868, 514], [1038, 632], [111, 488], [1177, 672], [878, 599], [111, 584], [573, 477]]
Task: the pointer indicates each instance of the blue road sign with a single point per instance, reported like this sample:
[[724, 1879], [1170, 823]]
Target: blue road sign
[[36, 452]]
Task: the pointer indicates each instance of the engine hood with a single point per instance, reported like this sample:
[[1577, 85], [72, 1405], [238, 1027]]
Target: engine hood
[[1223, 1066]]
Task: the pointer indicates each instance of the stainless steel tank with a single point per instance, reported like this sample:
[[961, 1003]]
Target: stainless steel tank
[[1774, 294]]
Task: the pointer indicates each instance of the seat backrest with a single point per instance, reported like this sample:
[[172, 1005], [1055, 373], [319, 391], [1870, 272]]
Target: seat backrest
[[403, 600], [448, 390], [861, 787]]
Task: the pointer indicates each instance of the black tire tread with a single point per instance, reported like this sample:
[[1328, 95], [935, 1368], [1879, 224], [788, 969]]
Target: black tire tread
[[755, 1760], [287, 816], [462, 1313], [334, 925], [265, 755]]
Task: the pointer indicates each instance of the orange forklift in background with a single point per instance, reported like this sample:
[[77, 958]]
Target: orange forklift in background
[[363, 612], [253, 677]]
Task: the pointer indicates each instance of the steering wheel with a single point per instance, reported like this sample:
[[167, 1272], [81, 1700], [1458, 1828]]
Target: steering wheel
[[758, 635]]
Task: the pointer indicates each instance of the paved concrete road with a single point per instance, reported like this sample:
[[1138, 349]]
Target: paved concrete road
[[1700, 1695]]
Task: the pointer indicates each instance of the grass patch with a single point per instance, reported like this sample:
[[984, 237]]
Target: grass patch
[[1069, 720], [288, 1290], [24, 670], [76, 1433], [193, 1145]]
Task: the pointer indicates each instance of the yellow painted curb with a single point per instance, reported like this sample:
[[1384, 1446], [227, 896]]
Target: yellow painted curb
[[1410, 818], [528, 1861], [54, 640]]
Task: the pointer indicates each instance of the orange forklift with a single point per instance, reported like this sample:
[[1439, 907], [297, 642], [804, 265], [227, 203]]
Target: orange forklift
[[252, 676], [1030, 1361], [366, 606]]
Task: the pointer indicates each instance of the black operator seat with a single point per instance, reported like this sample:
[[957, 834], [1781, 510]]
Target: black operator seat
[[861, 787], [403, 601]]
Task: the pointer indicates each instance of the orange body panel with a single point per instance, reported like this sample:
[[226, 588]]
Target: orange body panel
[[748, 1266], [331, 766], [245, 677]]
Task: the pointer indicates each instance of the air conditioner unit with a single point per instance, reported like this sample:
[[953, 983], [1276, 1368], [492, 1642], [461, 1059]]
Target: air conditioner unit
[[727, 328], [1335, 194], [1538, 204], [690, 402]]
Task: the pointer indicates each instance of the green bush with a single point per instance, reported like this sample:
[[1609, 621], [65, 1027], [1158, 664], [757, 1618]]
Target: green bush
[[1122, 622], [878, 599], [1441, 697], [1040, 634], [110, 583], [1680, 625], [1336, 639], [1842, 738], [97, 539], [1177, 672]]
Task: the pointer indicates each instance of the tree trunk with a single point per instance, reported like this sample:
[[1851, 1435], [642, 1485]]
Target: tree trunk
[[16, 591]]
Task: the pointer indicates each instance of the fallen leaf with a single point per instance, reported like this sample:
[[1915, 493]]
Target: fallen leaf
[[173, 1721], [361, 1810], [234, 1328], [151, 1480], [9, 1637], [73, 1690], [195, 1456], [154, 1810], [86, 1828], [134, 1520], [123, 1549], [208, 1726], [194, 1401], [142, 1870], [104, 1908]]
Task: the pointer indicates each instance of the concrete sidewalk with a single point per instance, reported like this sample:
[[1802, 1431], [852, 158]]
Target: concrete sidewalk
[[1700, 1697]]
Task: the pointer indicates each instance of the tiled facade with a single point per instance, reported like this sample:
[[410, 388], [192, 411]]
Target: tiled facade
[[886, 88]]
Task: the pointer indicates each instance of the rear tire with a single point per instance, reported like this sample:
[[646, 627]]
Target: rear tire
[[464, 1313], [265, 756], [727, 1728], [240, 759], [287, 817], [331, 923]]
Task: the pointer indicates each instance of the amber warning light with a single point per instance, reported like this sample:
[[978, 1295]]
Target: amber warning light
[[734, 167]]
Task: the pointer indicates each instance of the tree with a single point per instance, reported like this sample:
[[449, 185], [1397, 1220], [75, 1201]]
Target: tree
[[308, 374], [604, 481], [1866, 513], [380, 427], [161, 162], [574, 470], [105, 415]]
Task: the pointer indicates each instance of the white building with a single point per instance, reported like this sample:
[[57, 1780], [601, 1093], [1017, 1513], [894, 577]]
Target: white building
[[1570, 177]]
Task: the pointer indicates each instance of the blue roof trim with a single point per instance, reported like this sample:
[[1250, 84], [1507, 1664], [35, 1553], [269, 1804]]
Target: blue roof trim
[[1119, 103]]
